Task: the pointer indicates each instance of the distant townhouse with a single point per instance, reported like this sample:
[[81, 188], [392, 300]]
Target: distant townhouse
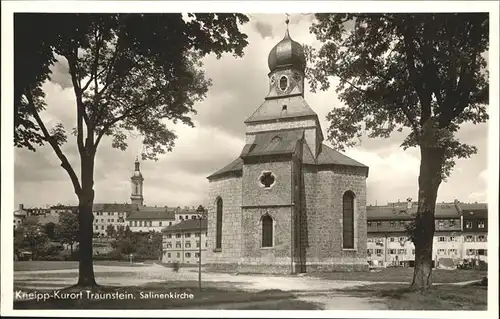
[[147, 219], [181, 241], [111, 214], [457, 236], [20, 215]]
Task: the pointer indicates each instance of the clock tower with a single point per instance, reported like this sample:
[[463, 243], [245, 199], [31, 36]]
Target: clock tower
[[137, 183]]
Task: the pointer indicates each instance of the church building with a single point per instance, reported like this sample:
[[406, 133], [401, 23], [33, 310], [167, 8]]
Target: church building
[[288, 203]]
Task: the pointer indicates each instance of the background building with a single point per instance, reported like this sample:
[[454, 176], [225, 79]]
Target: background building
[[458, 235], [111, 214], [181, 241]]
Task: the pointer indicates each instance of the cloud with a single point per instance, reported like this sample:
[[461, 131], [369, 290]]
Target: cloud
[[60, 73], [178, 178], [265, 30]]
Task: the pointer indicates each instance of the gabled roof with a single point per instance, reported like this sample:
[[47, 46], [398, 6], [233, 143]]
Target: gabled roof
[[328, 156], [114, 207], [234, 166], [189, 224], [272, 109], [401, 211], [273, 143], [164, 214]]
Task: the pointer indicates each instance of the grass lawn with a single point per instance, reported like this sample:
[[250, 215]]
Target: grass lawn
[[58, 265], [404, 274], [209, 297], [442, 297]]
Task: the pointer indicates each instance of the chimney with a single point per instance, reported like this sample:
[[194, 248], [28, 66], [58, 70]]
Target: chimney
[[409, 202], [21, 206]]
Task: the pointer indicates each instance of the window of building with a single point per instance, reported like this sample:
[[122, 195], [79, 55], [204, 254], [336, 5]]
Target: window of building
[[379, 224], [197, 255], [187, 216], [140, 223], [267, 231], [401, 251], [413, 251], [452, 238], [369, 252], [378, 252], [441, 239], [169, 235], [401, 223], [178, 235], [469, 238], [481, 238], [169, 223], [197, 244], [218, 226], [160, 224], [193, 217], [480, 224], [196, 235], [369, 224], [452, 251], [402, 239], [187, 235], [441, 251], [178, 244], [392, 239], [370, 240], [102, 227], [470, 252], [135, 223], [468, 224], [150, 223], [188, 255], [441, 223], [392, 251], [168, 255], [348, 220], [169, 245], [452, 222], [392, 223], [178, 255], [96, 227], [187, 244]]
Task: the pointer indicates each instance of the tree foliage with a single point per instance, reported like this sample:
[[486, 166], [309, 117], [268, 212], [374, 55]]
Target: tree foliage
[[31, 236], [68, 228], [404, 71]]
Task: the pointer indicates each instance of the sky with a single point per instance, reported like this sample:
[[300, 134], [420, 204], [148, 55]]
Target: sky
[[239, 86]]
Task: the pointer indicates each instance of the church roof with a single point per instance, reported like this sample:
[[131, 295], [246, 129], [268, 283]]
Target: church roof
[[273, 143], [272, 109], [287, 53], [234, 166], [329, 156]]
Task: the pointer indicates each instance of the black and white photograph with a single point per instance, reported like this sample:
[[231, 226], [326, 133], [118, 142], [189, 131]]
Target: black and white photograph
[[339, 158]]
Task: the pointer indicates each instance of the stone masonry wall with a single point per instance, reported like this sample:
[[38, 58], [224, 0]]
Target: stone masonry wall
[[229, 189], [324, 189], [254, 192]]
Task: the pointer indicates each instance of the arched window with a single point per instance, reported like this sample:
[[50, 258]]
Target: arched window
[[267, 231], [218, 226], [348, 220]]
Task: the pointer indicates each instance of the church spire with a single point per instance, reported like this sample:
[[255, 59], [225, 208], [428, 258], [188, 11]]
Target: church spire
[[137, 185]]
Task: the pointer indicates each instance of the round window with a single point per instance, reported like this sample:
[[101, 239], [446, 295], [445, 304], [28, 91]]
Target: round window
[[283, 83]]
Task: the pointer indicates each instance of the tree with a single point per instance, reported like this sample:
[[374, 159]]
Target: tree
[[424, 74], [50, 230], [30, 235], [68, 228], [130, 73], [110, 231]]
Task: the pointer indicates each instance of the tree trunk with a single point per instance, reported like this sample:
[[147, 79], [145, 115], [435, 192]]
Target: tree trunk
[[428, 183], [71, 248], [85, 217], [86, 269]]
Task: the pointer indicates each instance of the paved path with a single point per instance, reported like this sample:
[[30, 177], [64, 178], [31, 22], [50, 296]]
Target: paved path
[[325, 293]]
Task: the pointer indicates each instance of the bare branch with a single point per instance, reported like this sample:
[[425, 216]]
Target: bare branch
[[64, 161]]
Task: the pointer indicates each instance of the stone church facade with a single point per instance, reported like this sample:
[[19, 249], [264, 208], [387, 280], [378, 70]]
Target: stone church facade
[[288, 203]]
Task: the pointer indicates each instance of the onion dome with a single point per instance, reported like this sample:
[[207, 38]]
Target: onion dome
[[137, 172], [287, 53]]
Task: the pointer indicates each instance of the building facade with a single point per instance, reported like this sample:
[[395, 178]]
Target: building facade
[[453, 242], [181, 242], [111, 215], [288, 203]]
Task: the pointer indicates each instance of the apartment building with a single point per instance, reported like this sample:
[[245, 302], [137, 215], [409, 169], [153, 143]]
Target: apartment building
[[110, 214], [181, 241], [147, 219], [460, 233]]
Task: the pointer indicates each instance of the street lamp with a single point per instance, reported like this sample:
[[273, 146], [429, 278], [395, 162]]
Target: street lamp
[[201, 215]]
